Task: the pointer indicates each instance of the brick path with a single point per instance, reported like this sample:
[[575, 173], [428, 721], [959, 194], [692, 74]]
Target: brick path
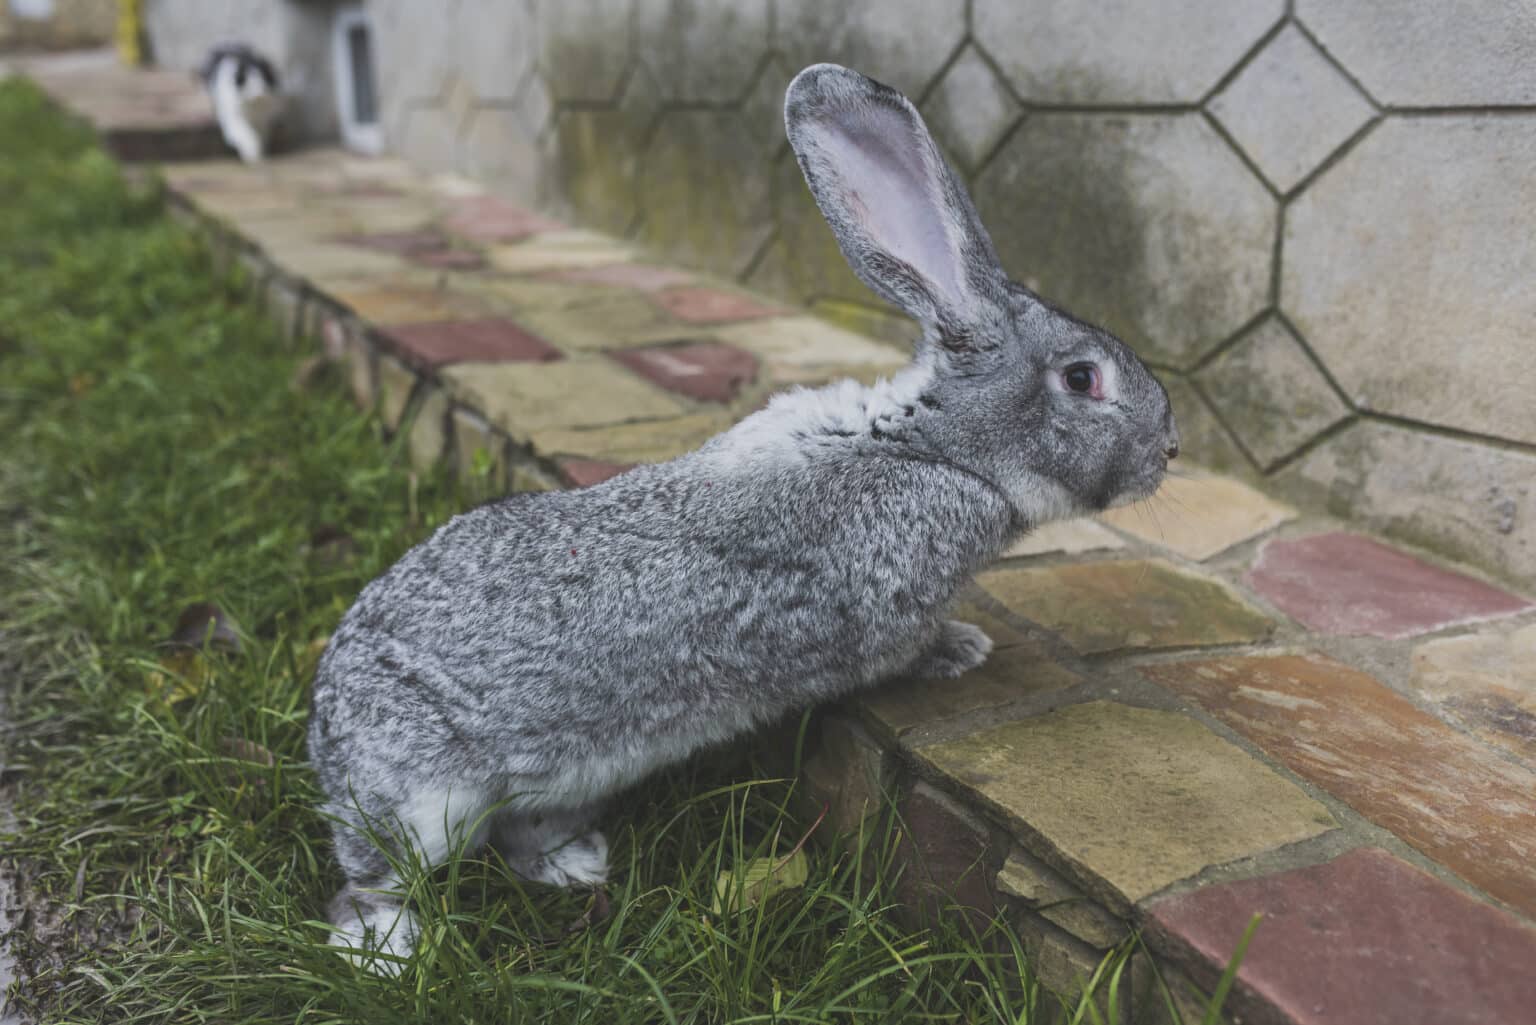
[[1200, 709]]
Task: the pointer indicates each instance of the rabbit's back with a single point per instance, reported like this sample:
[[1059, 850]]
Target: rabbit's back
[[665, 609]]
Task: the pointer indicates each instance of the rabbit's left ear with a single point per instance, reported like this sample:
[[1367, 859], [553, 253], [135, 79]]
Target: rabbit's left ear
[[901, 217]]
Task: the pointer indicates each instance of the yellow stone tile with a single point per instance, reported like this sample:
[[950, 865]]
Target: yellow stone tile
[[1200, 516]]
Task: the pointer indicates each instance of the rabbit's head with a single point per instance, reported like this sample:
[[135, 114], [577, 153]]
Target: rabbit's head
[[1057, 413]]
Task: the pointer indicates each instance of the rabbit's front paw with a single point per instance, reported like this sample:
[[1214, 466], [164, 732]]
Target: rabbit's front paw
[[960, 647]]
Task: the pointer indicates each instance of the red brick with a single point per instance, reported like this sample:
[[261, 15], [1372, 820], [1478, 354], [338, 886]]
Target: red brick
[[488, 219], [1443, 792], [639, 276], [703, 305], [710, 371], [406, 243], [448, 259], [1362, 940], [946, 860], [583, 473], [485, 340], [1348, 584]]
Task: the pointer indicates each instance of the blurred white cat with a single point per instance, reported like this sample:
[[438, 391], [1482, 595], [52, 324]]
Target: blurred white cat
[[243, 85]]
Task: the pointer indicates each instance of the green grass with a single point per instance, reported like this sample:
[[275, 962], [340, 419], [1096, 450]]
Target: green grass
[[156, 455]]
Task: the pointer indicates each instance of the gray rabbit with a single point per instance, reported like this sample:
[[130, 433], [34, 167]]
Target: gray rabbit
[[538, 654]]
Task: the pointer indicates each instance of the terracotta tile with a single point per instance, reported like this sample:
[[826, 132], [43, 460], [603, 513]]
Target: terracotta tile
[[1362, 940], [448, 259], [1348, 584], [710, 371], [426, 246], [639, 276], [704, 305], [948, 863], [404, 243], [1128, 604], [1128, 800], [1200, 516], [488, 219], [1441, 791], [583, 473], [483, 340]]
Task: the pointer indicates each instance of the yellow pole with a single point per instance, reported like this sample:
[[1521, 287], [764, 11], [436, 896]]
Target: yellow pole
[[129, 27]]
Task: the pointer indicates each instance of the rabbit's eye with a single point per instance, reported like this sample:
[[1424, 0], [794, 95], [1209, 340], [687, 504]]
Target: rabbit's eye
[[1082, 378]]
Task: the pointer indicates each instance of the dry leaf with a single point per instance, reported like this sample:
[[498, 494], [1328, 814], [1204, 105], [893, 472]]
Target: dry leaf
[[246, 751], [205, 622], [757, 880]]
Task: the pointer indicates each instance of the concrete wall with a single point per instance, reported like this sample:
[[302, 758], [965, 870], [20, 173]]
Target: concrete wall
[[1316, 217], [295, 36]]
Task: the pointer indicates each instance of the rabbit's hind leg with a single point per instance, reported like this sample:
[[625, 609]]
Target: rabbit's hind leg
[[369, 914], [554, 847]]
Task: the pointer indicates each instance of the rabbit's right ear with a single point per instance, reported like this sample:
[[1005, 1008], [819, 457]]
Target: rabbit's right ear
[[901, 217]]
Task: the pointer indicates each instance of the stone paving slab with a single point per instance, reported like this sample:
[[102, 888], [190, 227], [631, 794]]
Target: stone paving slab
[[706, 371], [527, 399], [1449, 796], [1201, 516], [1486, 681], [597, 323], [1009, 676], [805, 348], [560, 250], [402, 301], [1129, 800], [1342, 583], [643, 277], [1364, 939], [149, 115], [647, 441], [1129, 604], [1065, 537]]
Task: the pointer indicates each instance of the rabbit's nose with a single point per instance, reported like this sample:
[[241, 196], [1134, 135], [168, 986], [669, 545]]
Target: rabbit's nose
[[1172, 451]]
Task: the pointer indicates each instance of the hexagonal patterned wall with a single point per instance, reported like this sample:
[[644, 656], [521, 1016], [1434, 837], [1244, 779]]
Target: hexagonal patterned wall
[[1317, 218]]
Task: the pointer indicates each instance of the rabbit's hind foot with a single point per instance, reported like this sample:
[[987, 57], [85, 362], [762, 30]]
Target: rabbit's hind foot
[[553, 848], [373, 930]]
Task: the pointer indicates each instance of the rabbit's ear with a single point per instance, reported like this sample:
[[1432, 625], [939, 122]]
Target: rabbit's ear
[[901, 217]]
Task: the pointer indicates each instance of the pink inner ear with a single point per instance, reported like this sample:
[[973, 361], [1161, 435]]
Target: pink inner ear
[[896, 197]]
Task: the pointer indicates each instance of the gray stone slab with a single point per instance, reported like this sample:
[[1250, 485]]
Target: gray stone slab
[[1127, 51], [707, 51], [1432, 54], [1290, 108], [969, 109], [902, 44], [1409, 265], [1149, 224], [1271, 394], [584, 47], [704, 189], [1470, 502]]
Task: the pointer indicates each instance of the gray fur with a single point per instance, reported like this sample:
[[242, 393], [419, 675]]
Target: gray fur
[[542, 652]]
